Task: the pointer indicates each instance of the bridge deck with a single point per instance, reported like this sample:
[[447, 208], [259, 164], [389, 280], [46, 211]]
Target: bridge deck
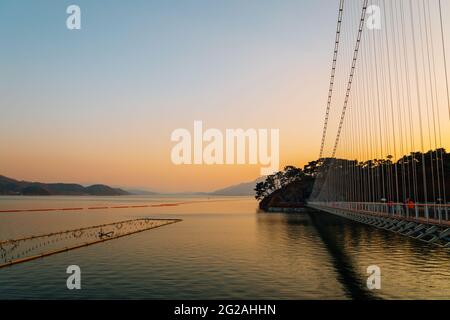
[[430, 230], [419, 214]]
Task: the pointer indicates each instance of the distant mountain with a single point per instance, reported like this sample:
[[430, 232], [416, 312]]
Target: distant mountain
[[242, 189], [193, 193], [141, 192], [10, 186]]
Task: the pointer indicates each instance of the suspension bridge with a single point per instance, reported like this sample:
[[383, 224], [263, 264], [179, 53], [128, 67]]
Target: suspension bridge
[[386, 163]]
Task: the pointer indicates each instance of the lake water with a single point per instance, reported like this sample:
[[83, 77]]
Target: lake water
[[223, 249]]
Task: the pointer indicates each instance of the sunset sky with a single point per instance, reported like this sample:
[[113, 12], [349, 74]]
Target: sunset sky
[[98, 105]]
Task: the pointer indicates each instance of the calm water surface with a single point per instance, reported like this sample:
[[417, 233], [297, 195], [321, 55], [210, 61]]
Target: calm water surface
[[223, 249]]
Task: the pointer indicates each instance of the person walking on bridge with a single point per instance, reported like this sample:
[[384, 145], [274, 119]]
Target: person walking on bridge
[[390, 205], [411, 204]]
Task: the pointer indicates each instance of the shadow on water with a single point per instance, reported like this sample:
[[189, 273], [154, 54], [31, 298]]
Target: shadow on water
[[353, 285], [332, 233]]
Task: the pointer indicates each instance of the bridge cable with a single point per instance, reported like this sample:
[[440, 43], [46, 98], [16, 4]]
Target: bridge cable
[[332, 77], [448, 103], [352, 72], [418, 96], [444, 56]]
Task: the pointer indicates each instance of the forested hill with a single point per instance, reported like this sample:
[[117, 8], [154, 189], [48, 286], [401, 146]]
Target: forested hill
[[289, 188], [9, 186]]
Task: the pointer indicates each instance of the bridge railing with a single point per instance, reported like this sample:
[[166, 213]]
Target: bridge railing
[[430, 213]]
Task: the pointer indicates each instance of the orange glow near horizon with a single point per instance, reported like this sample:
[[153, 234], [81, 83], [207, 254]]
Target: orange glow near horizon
[[98, 105]]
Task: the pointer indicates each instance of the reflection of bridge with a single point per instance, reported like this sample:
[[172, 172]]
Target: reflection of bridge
[[387, 165]]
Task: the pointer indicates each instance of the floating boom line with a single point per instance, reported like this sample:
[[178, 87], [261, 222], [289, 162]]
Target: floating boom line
[[30, 248]]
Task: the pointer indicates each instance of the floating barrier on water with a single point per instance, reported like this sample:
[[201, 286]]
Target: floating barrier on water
[[34, 247], [158, 205]]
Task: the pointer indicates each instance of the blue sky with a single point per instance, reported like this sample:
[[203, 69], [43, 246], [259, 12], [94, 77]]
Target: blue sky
[[138, 70]]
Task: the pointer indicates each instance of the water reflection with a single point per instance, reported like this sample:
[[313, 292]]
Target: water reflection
[[410, 269], [223, 249], [355, 287]]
